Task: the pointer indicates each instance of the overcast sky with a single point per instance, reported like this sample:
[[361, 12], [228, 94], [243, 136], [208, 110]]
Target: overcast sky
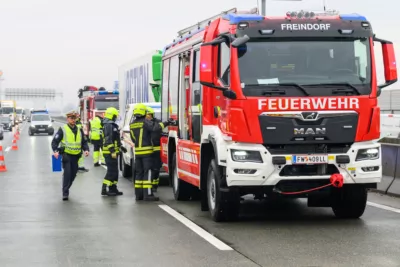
[[69, 44]]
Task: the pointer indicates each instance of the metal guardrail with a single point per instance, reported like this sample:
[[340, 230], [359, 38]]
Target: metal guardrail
[[390, 168]]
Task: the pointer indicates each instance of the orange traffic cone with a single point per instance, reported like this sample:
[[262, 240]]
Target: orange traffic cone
[[16, 136], [2, 162], [14, 145]]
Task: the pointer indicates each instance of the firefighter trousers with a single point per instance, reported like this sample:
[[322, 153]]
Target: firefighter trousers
[[111, 177], [97, 152], [157, 164], [143, 177], [70, 166]]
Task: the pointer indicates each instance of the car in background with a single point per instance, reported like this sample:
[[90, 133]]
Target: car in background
[[41, 123], [7, 123], [1, 133]]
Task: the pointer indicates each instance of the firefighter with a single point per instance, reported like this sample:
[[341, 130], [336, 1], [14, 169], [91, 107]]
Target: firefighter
[[141, 131], [96, 137], [72, 145], [155, 140], [81, 161], [111, 148]]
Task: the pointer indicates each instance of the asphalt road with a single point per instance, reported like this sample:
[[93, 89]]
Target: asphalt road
[[38, 229]]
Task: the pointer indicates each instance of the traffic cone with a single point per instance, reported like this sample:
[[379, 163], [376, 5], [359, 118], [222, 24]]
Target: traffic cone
[[16, 136], [14, 145], [2, 162]]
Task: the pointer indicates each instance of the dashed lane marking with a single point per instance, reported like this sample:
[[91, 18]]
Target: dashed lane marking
[[7, 149], [105, 167], [384, 207], [197, 229]]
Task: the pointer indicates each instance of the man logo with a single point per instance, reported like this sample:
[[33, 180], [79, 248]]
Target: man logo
[[309, 115], [309, 131]]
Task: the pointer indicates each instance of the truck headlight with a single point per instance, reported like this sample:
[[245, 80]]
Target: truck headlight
[[367, 154], [50, 125], [246, 156]]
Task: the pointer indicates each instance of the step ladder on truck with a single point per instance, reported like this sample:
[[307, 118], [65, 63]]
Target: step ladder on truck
[[274, 107]]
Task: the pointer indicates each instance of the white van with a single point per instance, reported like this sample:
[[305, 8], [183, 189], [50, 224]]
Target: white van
[[127, 160]]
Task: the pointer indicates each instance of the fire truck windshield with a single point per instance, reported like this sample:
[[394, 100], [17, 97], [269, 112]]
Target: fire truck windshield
[[103, 105], [312, 67]]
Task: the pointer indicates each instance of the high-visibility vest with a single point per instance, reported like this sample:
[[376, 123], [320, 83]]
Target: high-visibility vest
[[95, 129], [71, 145]]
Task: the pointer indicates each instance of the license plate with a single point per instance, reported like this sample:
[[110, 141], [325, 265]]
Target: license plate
[[41, 129], [310, 159]]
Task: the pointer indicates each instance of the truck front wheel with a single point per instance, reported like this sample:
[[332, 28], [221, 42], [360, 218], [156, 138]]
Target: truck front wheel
[[222, 206], [349, 202]]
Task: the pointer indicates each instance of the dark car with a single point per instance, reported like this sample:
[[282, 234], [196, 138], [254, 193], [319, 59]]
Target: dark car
[[7, 123]]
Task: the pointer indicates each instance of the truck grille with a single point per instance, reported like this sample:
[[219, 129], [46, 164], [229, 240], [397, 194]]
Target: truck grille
[[308, 149]]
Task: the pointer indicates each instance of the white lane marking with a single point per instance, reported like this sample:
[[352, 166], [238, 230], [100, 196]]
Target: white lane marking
[[195, 228], [7, 149], [105, 167], [384, 207]]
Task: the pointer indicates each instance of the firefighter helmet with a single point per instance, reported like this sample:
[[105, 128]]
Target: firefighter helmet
[[139, 110], [150, 110], [110, 113]]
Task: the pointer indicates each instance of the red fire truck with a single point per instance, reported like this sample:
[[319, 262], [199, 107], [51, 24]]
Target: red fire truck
[[94, 101], [278, 106]]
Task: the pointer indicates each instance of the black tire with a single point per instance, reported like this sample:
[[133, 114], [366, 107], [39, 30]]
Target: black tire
[[350, 202], [1, 137], [181, 189], [30, 133], [222, 207], [51, 133]]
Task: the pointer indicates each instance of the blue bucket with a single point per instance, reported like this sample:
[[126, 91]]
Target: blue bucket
[[56, 163]]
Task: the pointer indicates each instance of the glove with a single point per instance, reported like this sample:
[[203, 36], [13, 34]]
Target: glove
[[123, 149], [114, 155]]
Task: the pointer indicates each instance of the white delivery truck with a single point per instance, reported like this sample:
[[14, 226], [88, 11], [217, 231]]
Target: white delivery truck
[[136, 84]]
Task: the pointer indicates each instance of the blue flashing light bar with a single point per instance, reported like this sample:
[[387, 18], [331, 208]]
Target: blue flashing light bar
[[108, 93], [353, 16], [236, 18], [183, 38]]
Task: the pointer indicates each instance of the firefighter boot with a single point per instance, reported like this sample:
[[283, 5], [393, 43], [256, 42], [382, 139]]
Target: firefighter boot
[[105, 193], [114, 189], [149, 196]]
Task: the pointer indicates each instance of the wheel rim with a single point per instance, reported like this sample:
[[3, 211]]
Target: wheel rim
[[212, 191], [175, 179]]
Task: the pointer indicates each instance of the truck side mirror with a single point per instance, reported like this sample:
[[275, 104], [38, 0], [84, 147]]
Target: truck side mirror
[[389, 63], [207, 68], [156, 64]]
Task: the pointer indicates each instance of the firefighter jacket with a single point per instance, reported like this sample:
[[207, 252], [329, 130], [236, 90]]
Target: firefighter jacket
[[156, 134], [96, 130], [69, 140], [111, 137], [141, 133]]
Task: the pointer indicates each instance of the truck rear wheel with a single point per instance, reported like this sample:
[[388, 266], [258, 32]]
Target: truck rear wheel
[[222, 206], [181, 189], [350, 202]]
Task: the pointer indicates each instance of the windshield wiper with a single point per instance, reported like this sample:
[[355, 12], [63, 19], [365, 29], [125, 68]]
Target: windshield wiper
[[352, 89], [286, 84]]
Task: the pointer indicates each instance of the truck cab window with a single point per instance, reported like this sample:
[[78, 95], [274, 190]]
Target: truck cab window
[[224, 63]]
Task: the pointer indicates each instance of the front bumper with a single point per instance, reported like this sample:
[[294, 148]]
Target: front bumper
[[268, 174], [46, 129]]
